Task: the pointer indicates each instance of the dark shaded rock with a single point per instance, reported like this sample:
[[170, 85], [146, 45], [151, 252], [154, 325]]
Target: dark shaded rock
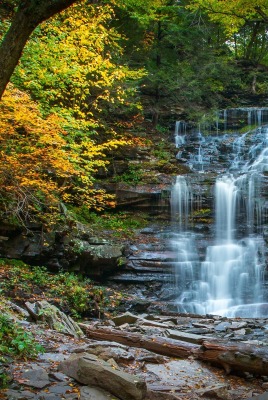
[[140, 306], [97, 260]]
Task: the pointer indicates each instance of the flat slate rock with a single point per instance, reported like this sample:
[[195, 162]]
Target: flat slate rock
[[91, 393], [37, 378], [186, 337], [263, 396]]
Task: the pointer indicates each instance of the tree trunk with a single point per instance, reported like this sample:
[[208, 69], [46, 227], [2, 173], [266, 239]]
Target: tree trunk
[[157, 344], [29, 15], [230, 356]]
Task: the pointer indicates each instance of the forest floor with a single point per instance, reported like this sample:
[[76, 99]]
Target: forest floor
[[167, 378]]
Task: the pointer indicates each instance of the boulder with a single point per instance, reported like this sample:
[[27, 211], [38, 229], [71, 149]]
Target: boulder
[[56, 319], [185, 336], [90, 370], [96, 260], [126, 318]]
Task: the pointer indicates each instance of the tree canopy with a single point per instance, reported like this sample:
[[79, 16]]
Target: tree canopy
[[233, 14], [88, 78]]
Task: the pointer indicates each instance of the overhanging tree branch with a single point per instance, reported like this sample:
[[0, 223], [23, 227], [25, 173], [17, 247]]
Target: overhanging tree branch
[[29, 15]]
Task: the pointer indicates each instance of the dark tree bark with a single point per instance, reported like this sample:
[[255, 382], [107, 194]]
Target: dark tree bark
[[29, 15]]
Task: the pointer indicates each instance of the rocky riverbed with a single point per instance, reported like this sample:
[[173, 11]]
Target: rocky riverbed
[[75, 366]]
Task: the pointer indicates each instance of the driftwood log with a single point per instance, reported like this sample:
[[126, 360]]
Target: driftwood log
[[231, 356]]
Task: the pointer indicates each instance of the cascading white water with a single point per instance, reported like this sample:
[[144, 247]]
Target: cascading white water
[[229, 281], [226, 197], [181, 202], [250, 116], [232, 273], [183, 242], [231, 270], [180, 131], [238, 147]]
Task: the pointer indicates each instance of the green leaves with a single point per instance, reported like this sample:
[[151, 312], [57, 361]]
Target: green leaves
[[15, 341], [233, 14]]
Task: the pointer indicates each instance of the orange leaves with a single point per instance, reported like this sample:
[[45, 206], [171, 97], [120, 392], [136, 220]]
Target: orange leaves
[[40, 165], [32, 160]]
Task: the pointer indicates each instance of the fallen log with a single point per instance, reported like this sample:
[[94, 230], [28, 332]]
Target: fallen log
[[235, 356], [157, 344], [231, 356]]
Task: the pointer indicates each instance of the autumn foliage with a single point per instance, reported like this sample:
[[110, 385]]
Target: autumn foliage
[[40, 166]]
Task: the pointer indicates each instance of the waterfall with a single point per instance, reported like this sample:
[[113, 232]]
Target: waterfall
[[235, 118], [238, 149], [180, 131], [181, 202], [232, 273], [229, 281], [226, 197], [231, 268]]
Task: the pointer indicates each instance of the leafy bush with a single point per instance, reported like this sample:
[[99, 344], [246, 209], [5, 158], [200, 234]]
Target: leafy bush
[[15, 341], [119, 223], [132, 176]]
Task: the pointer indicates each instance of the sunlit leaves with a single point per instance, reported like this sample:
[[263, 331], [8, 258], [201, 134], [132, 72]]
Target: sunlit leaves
[[71, 65], [233, 14], [39, 167]]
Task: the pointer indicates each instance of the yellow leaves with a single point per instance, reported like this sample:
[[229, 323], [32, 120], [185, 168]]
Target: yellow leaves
[[40, 165], [76, 60]]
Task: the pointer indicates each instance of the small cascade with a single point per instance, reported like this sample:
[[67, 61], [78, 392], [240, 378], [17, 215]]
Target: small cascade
[[233, 119], [180, 132], [181, 202], [183, 241], [231, 270], [238, 151], [197, 160], [226, 198], [186, 267]]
